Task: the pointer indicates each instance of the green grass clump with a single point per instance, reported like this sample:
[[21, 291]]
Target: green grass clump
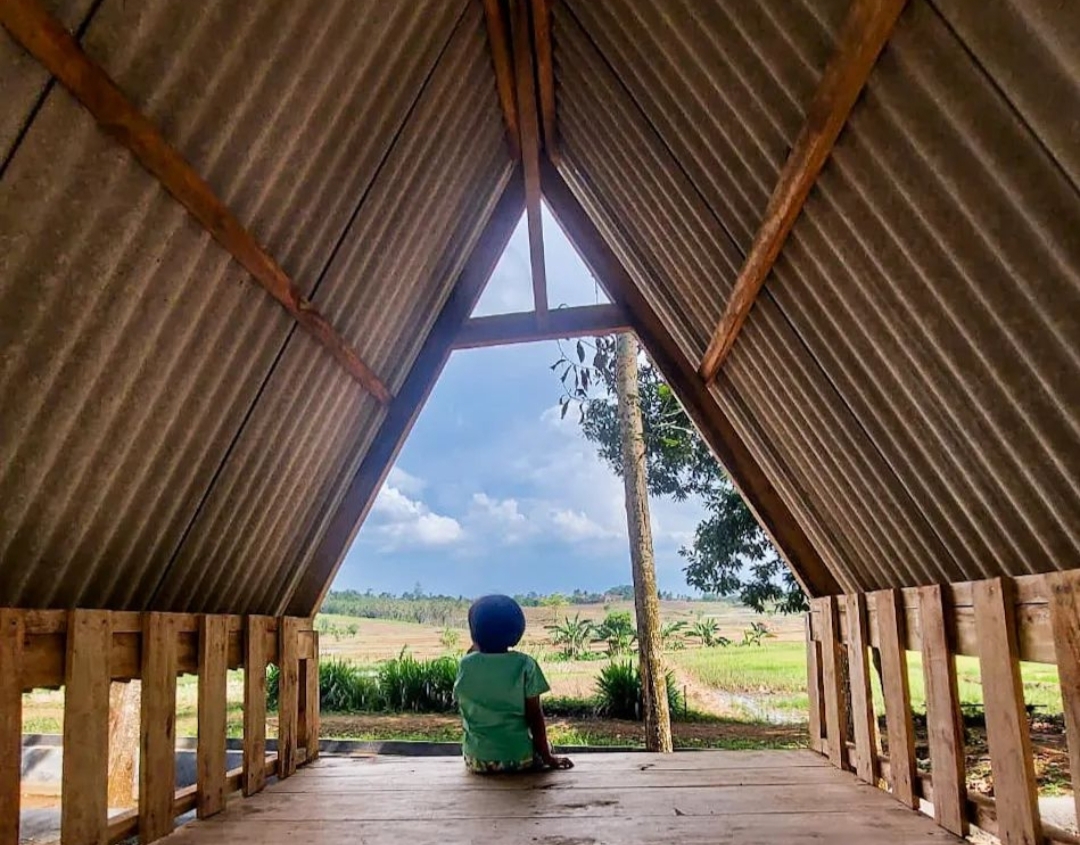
[[619, 693]]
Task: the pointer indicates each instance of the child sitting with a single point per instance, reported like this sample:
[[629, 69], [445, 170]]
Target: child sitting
[[499, 691]]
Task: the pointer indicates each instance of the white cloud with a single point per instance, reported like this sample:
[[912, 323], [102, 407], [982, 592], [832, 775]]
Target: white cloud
[[402, 521], [576, 526], [503, 510], [405, 482]]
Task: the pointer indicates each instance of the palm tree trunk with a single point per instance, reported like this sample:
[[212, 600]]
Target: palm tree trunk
[[646, 599]]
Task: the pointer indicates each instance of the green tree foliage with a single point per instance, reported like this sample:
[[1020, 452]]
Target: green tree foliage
[[730, 554], [617, 630]]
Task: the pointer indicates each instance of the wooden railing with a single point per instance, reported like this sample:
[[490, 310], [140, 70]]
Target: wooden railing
[[84, 651], [1001, 621]]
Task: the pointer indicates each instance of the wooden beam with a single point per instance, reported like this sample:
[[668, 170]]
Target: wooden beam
[[865, 32], [288, 695], [836, 716], [499, 42], [12, 634], [862, 704], [307, 595], [530, 152], [545, 75], [211, 754], [157, 750], [85, 779], [944, 725], [523, 327], [757, 491], [1065, 622], [255, 661], [897, 694], [816, 717], [1011, 760], [45, 38]]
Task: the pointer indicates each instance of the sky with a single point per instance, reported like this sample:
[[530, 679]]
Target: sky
[[492, 491]]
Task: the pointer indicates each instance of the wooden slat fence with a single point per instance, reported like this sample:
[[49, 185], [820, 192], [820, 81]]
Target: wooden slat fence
[[85, 650], [1000, 621]]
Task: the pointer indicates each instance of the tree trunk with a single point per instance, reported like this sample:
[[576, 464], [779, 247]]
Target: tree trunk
[[123, 742], [646, 599]]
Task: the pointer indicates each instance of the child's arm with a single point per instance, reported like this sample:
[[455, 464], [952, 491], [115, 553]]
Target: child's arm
[[534, 715]]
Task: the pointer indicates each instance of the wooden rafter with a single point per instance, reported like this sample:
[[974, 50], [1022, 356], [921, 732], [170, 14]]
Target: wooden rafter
[[502, 329], [45, 38], [498, 39], [865, 33], [545, 75], [761, 497], [529, 124], [311, 587]]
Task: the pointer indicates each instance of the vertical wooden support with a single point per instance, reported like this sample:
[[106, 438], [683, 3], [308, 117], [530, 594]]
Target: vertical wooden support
[[944, 727], [1011, 761], [833, 683], [309, 695], [213, 678], [894, 671], [12, 633], [1065, 623], [813, 683], [255, 660], [288, 693], [157, 758], [85, 782], [862, 702]]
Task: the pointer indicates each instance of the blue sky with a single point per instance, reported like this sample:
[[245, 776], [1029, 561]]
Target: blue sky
[[492, 491]]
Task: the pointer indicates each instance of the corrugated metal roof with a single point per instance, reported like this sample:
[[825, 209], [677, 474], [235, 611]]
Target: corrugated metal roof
[[909, 379], [166, 432], [909, 376]]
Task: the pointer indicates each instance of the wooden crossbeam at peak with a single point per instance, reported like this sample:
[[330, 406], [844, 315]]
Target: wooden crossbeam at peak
[[529, 126], [865, 33], [45, 38], [522, 327]]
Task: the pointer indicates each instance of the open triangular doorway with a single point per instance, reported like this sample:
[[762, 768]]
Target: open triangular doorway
[[570, 283]]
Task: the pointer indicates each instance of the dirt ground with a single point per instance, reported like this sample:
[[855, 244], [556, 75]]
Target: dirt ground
[[601, 731]]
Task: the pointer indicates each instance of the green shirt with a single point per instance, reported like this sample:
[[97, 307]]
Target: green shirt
[[491, 690]]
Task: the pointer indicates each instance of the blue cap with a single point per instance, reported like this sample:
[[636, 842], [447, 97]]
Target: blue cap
[[497, 623]]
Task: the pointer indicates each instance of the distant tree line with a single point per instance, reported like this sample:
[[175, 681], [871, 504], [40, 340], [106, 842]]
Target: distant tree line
[[418, 606]]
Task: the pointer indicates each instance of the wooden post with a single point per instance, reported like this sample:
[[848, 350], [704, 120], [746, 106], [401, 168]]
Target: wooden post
[[1065, 622], [288, 694], [1011, 761], [309, 702], [894, 682], [833, 683], [255, 661], [213, 678], [12, 633], [124, 703], [944, 727], [862, 702], [157, 761], [85, 783], [813, 684]]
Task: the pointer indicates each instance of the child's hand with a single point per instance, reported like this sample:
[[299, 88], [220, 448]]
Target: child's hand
[[553, 762]]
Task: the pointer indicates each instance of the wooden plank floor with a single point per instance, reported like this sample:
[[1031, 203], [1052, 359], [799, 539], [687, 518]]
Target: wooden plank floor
[[741, 798]]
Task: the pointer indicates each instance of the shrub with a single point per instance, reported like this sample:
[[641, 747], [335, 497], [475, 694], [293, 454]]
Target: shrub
[[272, 676], [423, 686], [619, 693], [346, 688]]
